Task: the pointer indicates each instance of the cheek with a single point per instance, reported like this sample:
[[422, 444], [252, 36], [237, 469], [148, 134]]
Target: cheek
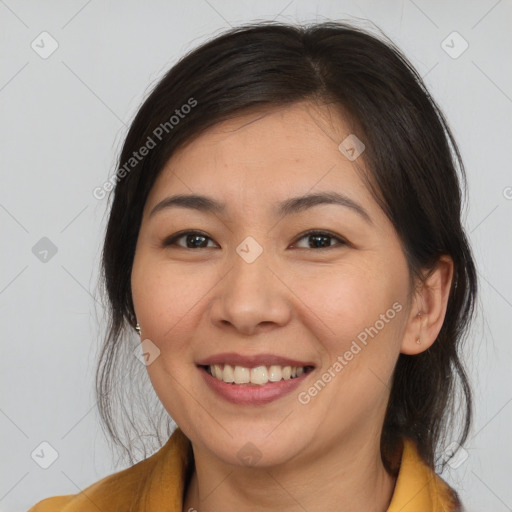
[[171, 300], [357, 312], [363, 311], [162, 297], [352, 298], [167, 300]]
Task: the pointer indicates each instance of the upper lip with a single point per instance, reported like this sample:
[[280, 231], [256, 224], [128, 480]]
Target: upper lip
[[251, 361]]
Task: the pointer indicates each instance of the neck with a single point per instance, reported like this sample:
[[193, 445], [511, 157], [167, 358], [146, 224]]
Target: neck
[[348, 479]]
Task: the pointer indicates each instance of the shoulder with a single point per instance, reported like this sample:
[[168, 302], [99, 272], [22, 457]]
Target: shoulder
[[53, 504], [111, 493], [125, 490]]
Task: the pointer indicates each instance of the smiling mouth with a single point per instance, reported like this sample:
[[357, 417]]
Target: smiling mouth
[[258, 375]]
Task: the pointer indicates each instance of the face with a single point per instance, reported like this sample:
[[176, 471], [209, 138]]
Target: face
[[323, 284]]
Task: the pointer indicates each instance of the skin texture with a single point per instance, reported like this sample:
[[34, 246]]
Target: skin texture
[[297, 299]]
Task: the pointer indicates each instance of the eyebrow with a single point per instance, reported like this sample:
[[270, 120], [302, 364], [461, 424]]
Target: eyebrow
[[287, 207]]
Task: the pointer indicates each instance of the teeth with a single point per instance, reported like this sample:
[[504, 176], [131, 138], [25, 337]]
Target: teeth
[[242, 375], [274, 373], [228, 374], [259, 375], [217, 371]]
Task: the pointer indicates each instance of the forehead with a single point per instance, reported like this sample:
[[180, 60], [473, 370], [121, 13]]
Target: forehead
[[266, 155]]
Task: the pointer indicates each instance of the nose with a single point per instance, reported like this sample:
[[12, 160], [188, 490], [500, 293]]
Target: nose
[[251, 298]]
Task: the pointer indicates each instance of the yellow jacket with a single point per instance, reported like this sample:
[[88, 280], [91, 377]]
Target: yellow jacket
[[156, 484]]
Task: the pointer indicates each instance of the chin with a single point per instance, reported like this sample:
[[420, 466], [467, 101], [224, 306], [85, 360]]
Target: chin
[[256, 447]]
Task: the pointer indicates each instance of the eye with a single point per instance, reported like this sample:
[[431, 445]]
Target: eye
[[193, 240], [320, 239], [199, 240]]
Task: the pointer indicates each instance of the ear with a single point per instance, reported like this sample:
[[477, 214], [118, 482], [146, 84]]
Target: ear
[[428, 308]]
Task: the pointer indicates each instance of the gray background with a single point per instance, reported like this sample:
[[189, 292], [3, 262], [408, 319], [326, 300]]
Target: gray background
[[63, 119]]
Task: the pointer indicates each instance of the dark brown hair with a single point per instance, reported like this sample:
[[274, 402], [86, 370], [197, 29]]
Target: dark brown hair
[[412, 164]]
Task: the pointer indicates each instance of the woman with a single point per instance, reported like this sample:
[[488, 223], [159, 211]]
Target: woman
[[285, 237]]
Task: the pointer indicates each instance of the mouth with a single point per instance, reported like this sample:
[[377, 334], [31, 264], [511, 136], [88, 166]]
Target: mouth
[[253, 379], [248, 382], [255, 376]]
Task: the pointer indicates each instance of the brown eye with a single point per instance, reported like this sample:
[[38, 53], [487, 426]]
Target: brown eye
[[192, 240], [199, 240], [320, 240]]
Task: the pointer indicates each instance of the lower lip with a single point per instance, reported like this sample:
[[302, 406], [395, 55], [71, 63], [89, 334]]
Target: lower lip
[[247, 394]]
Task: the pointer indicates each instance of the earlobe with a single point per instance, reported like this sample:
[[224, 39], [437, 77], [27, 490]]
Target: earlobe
[[428, 308]]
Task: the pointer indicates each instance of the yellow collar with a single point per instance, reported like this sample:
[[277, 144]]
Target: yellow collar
[[418, 488]]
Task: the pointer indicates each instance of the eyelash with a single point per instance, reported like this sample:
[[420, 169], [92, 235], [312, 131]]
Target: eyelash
[[172, 239]]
